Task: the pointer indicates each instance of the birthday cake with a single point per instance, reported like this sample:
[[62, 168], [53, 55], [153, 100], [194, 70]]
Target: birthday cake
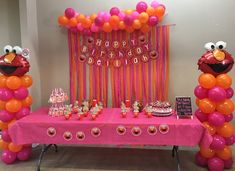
[[161, 108]]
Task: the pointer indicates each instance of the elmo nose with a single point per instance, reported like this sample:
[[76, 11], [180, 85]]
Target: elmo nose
[[9, 57], [219, 55]]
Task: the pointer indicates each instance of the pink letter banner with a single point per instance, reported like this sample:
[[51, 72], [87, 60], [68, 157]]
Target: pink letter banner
[[119, 66]]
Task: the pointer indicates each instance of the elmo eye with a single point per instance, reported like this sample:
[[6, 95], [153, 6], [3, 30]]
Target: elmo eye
[[17, 50], [210, 46], [7, 49], [221, 45]]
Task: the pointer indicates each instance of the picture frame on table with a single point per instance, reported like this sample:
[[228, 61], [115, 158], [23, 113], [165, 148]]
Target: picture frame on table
[[183, 107]]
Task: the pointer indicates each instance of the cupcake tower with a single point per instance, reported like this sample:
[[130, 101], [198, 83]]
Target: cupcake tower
[[215, 106], [15, 100]]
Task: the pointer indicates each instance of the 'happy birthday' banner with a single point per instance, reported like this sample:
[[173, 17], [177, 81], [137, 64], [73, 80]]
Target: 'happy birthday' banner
[[116, 51], [135, 66]]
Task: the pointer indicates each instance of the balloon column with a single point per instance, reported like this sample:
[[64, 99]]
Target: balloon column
[[214, 95], [15, 100], [141, 18]]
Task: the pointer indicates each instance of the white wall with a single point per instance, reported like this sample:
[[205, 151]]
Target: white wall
[[9, 24]]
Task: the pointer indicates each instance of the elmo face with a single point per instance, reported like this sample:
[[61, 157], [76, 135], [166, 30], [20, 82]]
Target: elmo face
[[216, 60], [13, 62]]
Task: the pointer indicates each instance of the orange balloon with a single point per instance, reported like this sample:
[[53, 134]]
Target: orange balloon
[[207, 152], [121, 25], [226, 107], [87, 23], [13, 82], [92, 17], [211, 129], [226, 130], [73, 22], [3, 125], [27, 101], [224, 81], [2, 105], [207, 106], [62, 20], [13, 105], [159, 11], [150, 11], [197, 101], [3, 81], [136, 24], [11, 123], [107, 27], [207, 80], [224, 154], [26, 81], [114, 21], [143, 17], [15, 148], [130, 29], [3, 145], [145, 28], [81, 18], [128, 11]]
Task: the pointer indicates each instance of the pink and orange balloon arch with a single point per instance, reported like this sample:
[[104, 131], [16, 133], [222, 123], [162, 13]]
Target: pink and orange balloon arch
[[142, 18]]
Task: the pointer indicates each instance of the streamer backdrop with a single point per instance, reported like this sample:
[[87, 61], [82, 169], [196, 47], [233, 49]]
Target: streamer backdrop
[[135, 66]]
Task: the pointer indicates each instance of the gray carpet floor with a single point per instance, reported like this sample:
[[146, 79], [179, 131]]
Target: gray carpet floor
[[106, 159]]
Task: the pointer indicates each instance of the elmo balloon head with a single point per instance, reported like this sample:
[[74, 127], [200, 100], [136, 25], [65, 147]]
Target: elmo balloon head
[[216, 60], [14, 61]]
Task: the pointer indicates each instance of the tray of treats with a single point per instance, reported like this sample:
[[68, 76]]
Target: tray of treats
[[161, 108]]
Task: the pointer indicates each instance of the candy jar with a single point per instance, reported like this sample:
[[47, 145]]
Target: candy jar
[[136, 109]]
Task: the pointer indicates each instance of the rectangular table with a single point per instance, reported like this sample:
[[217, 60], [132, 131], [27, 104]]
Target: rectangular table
[[109, 128]]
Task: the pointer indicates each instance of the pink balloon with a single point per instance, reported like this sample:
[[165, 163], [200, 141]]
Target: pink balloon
[[217, 94], [154, 4], [5, 136], [6, 116], [135, 15], [128, 20], [201, 116], [21, 93], [228, 118], [24, 111], [94, 28], [153, 20], [87, 32], [24, 154], [228, 164], [8, 157], [114, 11], [200, 92], [216, 119], [80, 27], [141, 7], [69, 13], [99, 21], [229, 92], [100, 14], [5, 94], [218, 143], [121, 15], [106, 17], [216, 164], [230, 140], [200, 160]]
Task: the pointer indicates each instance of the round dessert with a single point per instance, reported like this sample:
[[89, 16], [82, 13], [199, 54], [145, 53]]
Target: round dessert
[[161, 108]]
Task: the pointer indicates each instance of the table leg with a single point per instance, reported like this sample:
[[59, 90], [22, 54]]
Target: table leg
[[44, 150], [175, 151]]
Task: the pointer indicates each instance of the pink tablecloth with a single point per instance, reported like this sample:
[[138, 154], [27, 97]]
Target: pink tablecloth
[[41, 128]]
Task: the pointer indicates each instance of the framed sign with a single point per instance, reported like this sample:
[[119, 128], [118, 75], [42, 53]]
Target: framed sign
[[183, 106]]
